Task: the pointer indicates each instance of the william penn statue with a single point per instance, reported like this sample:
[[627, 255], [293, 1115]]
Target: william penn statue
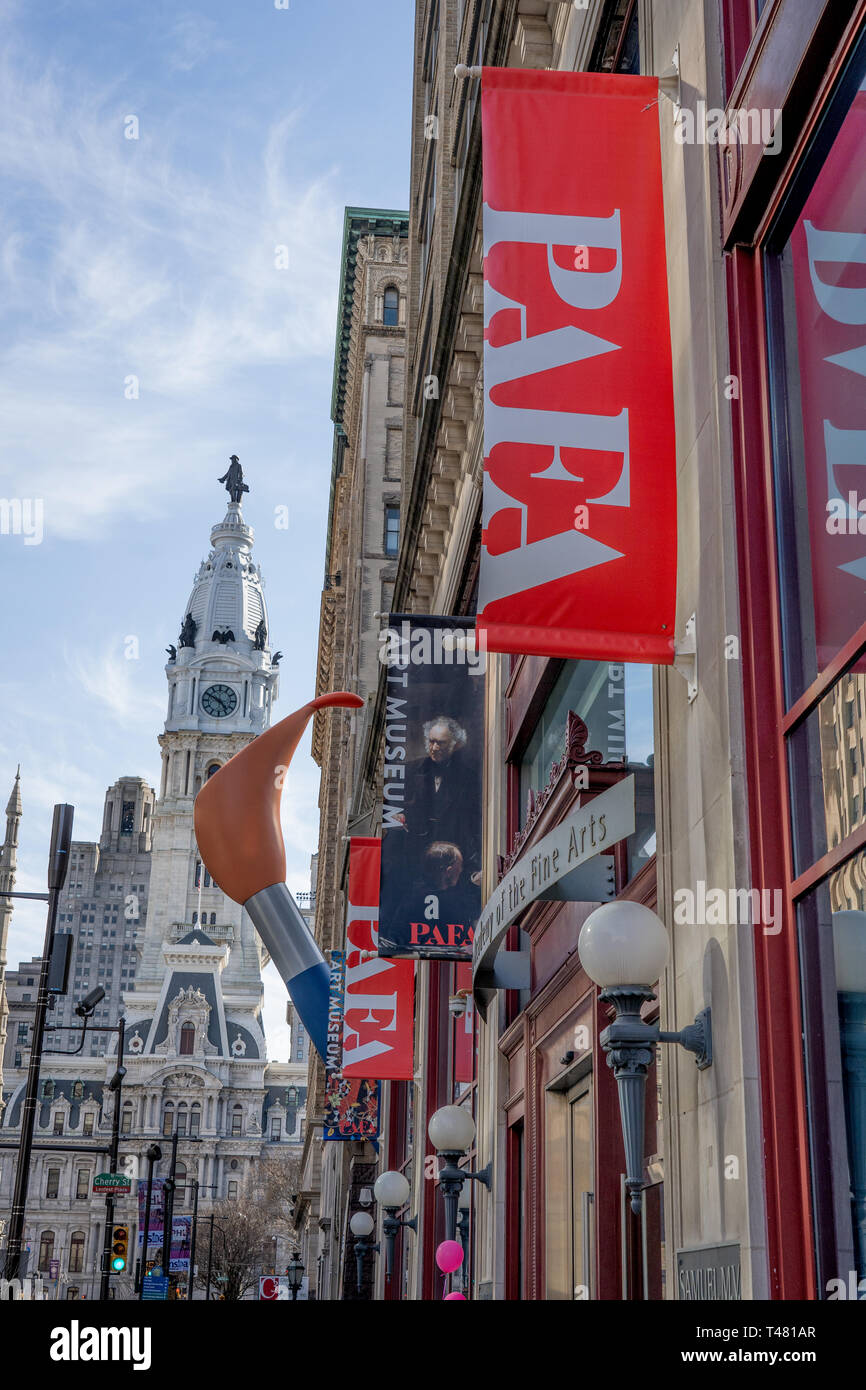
[[234, 479]]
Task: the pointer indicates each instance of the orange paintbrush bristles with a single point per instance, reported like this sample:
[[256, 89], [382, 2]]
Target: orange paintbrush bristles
[[237, 812]]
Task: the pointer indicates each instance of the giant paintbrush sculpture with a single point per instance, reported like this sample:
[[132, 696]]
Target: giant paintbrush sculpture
[[237, 828]]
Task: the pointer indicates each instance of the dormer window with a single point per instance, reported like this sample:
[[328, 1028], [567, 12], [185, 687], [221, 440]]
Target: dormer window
[[187, 1040]]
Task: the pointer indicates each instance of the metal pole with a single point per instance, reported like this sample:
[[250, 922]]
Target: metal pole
[[151, 1159], [193, 1240], [209, 1259], [112, 1166], [168, 1212], [58, 860]]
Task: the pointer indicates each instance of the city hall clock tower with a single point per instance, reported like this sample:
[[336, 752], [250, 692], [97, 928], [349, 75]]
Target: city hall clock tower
[[222, 682]]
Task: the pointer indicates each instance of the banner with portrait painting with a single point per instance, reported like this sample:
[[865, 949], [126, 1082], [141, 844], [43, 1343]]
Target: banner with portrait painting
[[430, 894]]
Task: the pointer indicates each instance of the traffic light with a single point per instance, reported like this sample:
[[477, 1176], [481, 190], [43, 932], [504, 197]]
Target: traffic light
[[119, 1249]]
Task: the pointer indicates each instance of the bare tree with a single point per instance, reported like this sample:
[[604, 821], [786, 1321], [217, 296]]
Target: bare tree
[[243, 1229], [240, 1230], [278, 1183]]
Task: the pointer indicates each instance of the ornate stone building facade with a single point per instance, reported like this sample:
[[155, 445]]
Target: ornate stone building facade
[[360, 568], [196, 1056]]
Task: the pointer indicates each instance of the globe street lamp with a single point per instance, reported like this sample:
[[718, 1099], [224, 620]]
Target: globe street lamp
[[361, 1226], [452, 1130], [391, 1189], [623, 947]]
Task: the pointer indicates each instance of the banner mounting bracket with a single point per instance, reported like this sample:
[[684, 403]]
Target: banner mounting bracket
[[670, 81], [686, 657]]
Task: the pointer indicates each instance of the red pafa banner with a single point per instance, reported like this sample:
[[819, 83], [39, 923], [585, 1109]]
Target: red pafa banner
[[579, 533], [379, 1002]]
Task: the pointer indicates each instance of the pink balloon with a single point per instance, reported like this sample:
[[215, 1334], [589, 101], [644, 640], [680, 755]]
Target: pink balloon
[[449, 1256], [449, 1296]]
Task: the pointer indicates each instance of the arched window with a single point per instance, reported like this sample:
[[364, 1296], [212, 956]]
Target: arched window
[[391, 308], [46, 1251], [237, 1120], [77, 1090], [214, 767], [48, 1089], [168, 1118], [77, 1243], [199, 881], [195, 1119], [180, 1184], [126, 1118], [187, 1040], [213, 919], [195, 919], [182, 1117]]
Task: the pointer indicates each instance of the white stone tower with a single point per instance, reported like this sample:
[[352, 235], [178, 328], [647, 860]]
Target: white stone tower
[[221, 686], [8, 865]]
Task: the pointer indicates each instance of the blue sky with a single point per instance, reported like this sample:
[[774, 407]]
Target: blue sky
[[155, 258]]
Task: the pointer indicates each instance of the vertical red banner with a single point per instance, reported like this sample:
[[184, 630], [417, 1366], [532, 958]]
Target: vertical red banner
[[464, 1026], [579, 528], [379, 999]]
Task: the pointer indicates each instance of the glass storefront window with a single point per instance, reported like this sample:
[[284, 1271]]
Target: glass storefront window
[[832, 929], [815, 272], [816, 314], [827, 767], [615, 703]]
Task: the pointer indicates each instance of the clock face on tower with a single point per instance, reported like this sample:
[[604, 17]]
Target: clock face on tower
[[219, 701]]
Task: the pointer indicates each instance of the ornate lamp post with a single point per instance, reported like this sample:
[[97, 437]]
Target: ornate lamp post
[[391, 1189], [623, 947], [464, 1206], [295, 1274], [452, 1130]]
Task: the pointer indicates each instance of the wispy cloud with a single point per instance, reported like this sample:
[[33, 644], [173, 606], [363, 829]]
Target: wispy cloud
[[134, 284], [113, 683], [194, 39]]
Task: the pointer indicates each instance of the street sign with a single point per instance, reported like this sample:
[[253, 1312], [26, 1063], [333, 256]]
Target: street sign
[[155, 1287], [563, 852], [110, 1184]]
